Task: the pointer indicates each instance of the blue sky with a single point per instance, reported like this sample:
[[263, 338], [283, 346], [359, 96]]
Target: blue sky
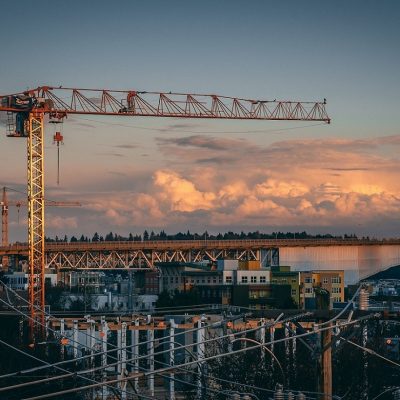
[[344, 51]]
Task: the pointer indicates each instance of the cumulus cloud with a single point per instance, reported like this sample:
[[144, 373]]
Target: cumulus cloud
[[212, 183], [58, 222], [181, 193]]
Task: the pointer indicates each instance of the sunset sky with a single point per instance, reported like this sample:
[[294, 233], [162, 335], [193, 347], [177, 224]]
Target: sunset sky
[[142, 173]]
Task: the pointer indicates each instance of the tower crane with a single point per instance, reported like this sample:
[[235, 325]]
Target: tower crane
[[27, 111], [5, 204]]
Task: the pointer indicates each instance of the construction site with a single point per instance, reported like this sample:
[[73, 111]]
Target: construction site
[[174, 352], [199, 200]]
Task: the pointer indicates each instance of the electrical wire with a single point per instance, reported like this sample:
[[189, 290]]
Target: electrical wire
[[225, 354], [370, 351], [126, 347], [49, 365], [169, 368], [238, 333], [350, 302], [197, 132], [229, 335], [385, 391]]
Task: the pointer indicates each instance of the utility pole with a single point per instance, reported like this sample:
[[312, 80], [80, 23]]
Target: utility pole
[[324, 363]]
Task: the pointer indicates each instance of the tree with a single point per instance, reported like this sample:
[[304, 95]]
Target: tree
[[95, 237]]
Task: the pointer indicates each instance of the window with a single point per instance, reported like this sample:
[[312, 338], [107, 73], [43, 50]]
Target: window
[[253, 294], [244, 279], [336, 279], [294, 292], [262, 293], [228, 279], [309, 290], [325, 280], [214, 280], [336, 290], [253, 279], [172, 279], [263, 279], [308, 280], [294, 280]]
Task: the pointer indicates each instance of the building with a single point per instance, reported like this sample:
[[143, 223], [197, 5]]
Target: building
[[330, 280], [242, 283], [19, 280], [282, 275]]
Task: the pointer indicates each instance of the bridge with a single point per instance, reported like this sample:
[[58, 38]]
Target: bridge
[[358, 257]]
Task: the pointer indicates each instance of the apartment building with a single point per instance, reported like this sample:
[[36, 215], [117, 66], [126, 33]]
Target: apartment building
[[330, 280]]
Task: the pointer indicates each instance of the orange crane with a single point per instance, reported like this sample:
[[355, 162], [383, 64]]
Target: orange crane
[[27, 110], [5, 204]]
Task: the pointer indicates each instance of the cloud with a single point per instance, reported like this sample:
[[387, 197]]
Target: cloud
[[223, 183], [62, 223], [126, 146], [202, 141], [111, 154], [181, 193]]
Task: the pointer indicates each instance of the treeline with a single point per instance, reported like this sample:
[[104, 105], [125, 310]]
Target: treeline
[[146, 236]]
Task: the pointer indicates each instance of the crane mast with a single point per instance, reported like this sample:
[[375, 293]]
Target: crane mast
[[30, 108]]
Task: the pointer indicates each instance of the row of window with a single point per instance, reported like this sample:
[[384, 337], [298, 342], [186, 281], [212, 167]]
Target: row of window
[[253, 279], [284, 281], [334, 279], [192, 280], [334, 290], [215, 293], [228, 279]]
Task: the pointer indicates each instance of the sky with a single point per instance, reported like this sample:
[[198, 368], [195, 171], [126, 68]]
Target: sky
[[132, 174]]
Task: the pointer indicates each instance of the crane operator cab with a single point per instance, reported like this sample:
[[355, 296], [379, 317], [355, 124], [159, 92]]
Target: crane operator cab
[[18, 126]]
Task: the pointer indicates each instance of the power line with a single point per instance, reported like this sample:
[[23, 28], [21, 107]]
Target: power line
[[49, 365], [199, 132], [218, 338], [169, 368], [370, 351]]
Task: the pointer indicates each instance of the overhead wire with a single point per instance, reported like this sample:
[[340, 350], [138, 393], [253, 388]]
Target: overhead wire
[[69, 374], [198, 132], [191, 345], [239, 351], [370, 351], [218, 338]]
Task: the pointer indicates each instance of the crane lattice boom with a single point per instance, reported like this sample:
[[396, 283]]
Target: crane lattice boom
[[61, 101]]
